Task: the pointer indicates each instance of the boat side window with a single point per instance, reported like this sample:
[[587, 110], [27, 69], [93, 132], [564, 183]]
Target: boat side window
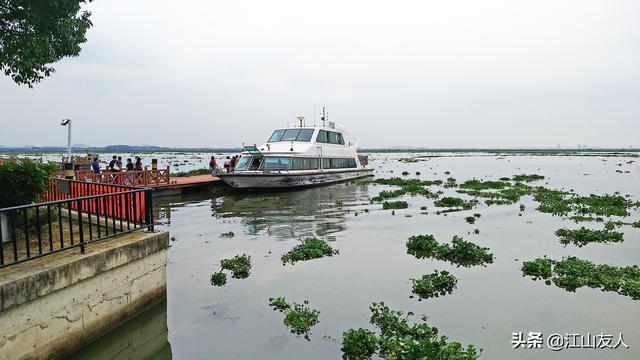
[[271, 163], [343, 163], [323, 136], [276, 136], [304, 164], [340, 139], [244, 162], [290, 134], [305, 135]]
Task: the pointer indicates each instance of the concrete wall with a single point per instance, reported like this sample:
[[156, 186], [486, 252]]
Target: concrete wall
[[50, 307]]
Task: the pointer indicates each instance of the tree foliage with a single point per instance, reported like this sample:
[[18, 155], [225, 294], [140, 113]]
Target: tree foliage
[[34, 34], [21, 182]]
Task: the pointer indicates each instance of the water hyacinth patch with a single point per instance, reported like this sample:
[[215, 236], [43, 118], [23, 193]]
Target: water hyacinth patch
[[227, 235], [454, 202], [310, 248], [388, 194], [299, 318], [475, 184], [584, 236], [470, 219], [219, 278], [434, 284], [527, 177], [394, 205], [572, 273], [359, 344], [239, 265], [397, 339], [461, 253]]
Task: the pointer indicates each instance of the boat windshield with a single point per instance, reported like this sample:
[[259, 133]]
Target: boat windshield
[[291, 135], [243, 163]]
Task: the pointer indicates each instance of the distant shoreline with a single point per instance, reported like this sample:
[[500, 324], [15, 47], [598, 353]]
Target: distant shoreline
[[152, 149]]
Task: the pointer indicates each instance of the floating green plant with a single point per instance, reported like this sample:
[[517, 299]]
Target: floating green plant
[[572, 273], [239, 265], [399, 340], [218, 278], [460, 253], [339, 203], [470, 219], [475, 184], [454, 202], [434, 285], [584, 236], [405, 173], [359, 344], [394, 205], [299, 318], [227, 235], [389, 194], [450, 183], [527, 177], [310, 248]]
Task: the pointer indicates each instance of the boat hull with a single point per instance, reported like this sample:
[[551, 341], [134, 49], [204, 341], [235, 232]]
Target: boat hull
[[256, 180]]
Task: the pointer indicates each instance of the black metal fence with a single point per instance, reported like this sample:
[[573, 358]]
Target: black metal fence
[[72, 214]]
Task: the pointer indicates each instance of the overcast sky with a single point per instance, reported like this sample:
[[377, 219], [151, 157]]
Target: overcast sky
[[447, 73]]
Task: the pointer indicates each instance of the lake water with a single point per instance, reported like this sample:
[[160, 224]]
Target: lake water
[[201, 321]]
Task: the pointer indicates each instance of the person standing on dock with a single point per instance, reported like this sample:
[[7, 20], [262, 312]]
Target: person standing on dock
[[213, 166], [232, 163], [138, 166], [119, 163], [95, 166], [227, 164], [129, 172], [113, 163]]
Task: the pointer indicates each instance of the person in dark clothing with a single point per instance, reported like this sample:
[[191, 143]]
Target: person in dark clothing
[[113, 163], [95, 166], [232, 163], [138, 166], [213, 166], [119, 163], [129, 165]]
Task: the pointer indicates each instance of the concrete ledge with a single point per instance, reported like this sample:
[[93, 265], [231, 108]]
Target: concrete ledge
[[54, 305], [27, 281]]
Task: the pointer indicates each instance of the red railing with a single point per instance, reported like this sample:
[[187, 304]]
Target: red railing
[[130, 178], [124, 204]]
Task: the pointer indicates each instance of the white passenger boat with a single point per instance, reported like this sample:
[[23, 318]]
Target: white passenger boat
[[299, 156]]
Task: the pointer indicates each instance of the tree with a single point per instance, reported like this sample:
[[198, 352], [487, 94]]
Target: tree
[[34, 34], [22, 181]]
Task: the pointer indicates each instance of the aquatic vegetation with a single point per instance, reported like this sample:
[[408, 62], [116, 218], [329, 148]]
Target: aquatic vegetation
[[636, 224], [527, 177], [454, 202], [409, 186], [522, 207], [299, 318], [359, 344], [605, 205], [572, 273], [417, 173], [409, 160], [400, 340], [227, 235], [310, 248], [339, 203], [196, 172], [580, 218], [450, 183], [218, 278], [477, 215], [405, 173], [389, 194], [460, 253], [475, 184], [584, 236], [470, 219], [394, 205], [239, 265], [434, 284]]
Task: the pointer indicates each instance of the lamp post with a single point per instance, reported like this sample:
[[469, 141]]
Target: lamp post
[[68, 166]]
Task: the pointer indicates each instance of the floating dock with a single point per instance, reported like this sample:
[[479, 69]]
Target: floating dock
[[186, 183]]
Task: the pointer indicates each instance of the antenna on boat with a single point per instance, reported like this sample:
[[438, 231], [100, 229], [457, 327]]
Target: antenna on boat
[[301, 119], [324, 117], [314, 115]]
